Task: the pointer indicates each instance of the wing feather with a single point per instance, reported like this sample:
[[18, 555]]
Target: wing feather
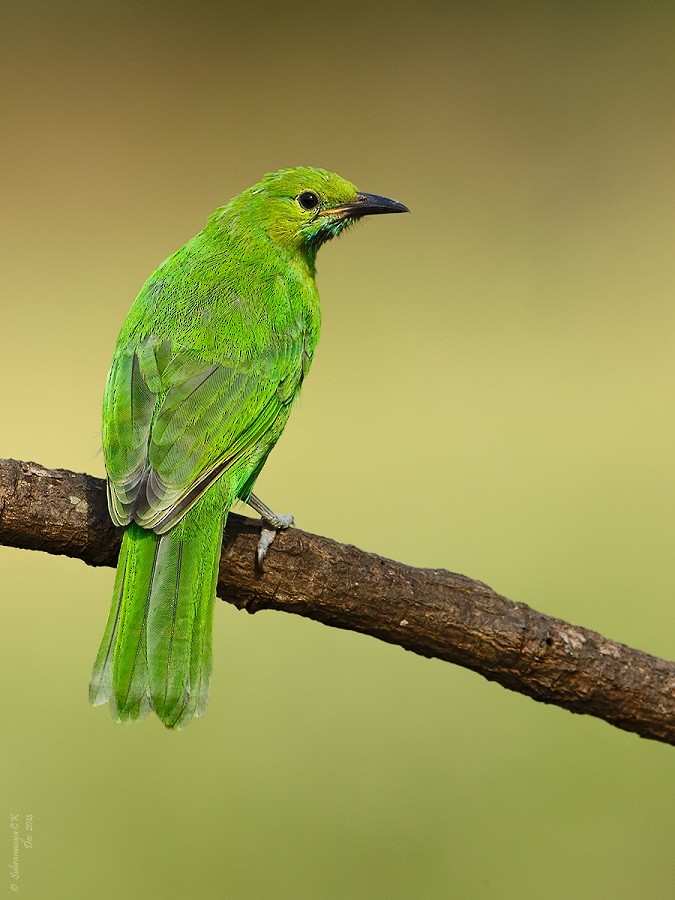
[[174, 423]]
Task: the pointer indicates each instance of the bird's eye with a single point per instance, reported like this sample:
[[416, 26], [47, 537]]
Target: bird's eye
[[308, 200]]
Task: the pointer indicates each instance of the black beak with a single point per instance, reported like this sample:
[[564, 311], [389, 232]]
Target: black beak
[[366, 205]]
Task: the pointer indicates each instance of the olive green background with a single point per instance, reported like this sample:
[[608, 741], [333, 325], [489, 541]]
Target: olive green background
[[493, 393]]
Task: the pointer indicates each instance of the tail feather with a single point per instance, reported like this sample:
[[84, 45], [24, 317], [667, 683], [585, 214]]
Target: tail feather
[[156, 649], [197, 698], [130, 665], [101, 676], [169, 624]]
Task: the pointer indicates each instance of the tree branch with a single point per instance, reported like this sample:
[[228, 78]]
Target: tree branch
[[429, 611]]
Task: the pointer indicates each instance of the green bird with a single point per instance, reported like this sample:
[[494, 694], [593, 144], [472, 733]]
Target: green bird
[[206, 368]]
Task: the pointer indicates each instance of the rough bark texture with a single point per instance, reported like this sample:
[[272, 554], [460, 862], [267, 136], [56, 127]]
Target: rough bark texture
[[429, 611]]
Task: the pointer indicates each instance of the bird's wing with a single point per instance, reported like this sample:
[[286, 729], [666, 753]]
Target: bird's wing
[[173, 423]]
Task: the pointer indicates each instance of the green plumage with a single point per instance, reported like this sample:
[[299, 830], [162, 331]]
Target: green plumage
[[206, 368]]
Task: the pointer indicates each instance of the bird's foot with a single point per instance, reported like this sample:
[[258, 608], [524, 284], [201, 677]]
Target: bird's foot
[[268, 533], [272, 524]]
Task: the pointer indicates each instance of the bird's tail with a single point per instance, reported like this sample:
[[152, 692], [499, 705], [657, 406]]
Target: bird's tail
[[156, 648]]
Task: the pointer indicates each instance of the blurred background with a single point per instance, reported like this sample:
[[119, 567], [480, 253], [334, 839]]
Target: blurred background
[[493, 394]]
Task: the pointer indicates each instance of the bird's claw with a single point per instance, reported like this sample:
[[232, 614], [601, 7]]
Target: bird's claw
[[270, 528]]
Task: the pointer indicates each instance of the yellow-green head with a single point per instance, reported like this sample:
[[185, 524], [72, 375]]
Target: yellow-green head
[[302, 208]]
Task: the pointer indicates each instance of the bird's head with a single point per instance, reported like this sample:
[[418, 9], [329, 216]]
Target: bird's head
[[302, 208]]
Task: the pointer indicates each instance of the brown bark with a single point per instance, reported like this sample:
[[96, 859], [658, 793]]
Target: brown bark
[[430, 611]]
